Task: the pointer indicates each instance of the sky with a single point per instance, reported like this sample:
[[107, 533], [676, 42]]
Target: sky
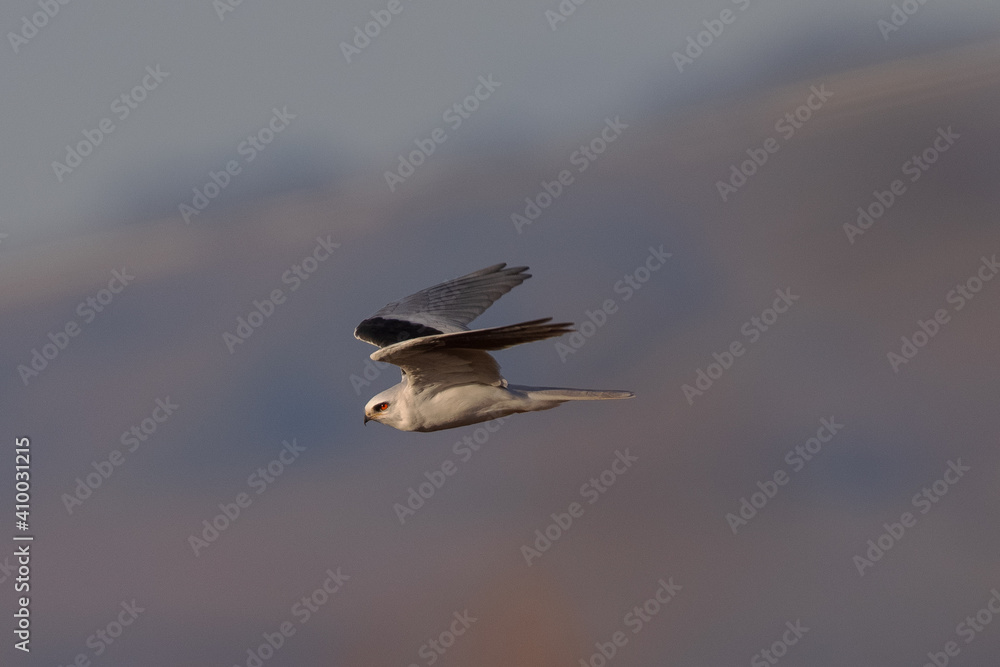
[[775, 223]]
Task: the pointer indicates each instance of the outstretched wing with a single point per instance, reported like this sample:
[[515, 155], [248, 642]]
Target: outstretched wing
[[441, 309], [447, 359]]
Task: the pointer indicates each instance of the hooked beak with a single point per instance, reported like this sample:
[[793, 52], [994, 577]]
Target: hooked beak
[[367, 419]]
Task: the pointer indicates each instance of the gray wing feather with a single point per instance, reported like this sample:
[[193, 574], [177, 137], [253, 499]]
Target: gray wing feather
[[444, 308], [460, 357]]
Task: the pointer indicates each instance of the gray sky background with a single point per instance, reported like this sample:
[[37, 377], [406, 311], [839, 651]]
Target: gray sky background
[[301, 376], [353, 118]]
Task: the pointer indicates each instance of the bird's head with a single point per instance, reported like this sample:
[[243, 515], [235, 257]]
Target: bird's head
[[383, 408]]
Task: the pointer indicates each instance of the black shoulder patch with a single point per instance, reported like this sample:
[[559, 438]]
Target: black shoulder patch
[[384, 332]]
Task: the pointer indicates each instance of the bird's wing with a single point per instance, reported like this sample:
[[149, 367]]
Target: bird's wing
[[447, 359], [444, 308]]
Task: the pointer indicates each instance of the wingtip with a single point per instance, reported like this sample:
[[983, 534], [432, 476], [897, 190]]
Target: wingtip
[[503, 268]]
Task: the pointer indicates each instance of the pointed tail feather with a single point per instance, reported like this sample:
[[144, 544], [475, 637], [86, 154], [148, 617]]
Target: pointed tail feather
[[565, 394]]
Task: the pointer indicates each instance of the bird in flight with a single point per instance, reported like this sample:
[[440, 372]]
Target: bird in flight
[[449, 377]]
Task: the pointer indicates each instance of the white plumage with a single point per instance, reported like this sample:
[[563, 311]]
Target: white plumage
[[449, 378]]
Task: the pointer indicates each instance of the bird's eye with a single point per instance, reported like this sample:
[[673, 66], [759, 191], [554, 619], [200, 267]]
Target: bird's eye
[[381, 406]]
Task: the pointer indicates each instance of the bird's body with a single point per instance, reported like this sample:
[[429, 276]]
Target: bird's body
[[458, 405], [449, 378]]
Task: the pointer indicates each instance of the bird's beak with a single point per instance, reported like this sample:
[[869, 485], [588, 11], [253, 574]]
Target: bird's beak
[[367, 419]]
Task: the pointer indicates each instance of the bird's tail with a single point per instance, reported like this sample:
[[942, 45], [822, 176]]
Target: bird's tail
[[564, 394]]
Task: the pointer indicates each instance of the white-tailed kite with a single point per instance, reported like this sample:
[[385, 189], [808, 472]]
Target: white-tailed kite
[[449, 378]]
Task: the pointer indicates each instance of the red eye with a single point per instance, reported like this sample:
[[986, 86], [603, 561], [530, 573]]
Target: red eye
[[381, 406]]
